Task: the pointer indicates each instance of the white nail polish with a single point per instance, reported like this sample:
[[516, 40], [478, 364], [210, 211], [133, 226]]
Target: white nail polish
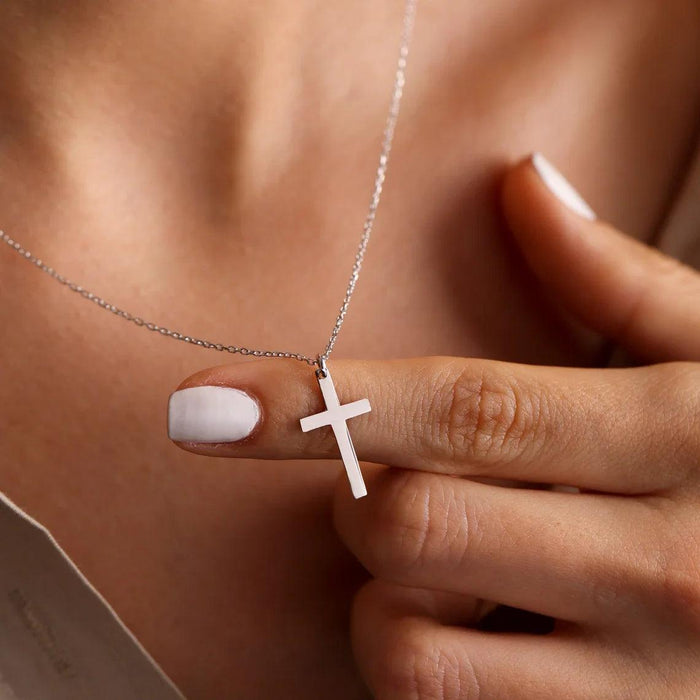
[[211, 414], [561, 187]]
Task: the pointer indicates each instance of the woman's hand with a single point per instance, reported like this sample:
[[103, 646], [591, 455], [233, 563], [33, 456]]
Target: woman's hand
[[617, 565]]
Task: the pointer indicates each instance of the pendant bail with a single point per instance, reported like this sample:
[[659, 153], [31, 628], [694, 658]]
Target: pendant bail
[[322, 371]]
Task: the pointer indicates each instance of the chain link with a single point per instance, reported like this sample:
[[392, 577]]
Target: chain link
[[388, 137], [148, 325]]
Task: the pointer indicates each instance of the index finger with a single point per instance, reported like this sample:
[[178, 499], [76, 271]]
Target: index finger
[[606, 430]]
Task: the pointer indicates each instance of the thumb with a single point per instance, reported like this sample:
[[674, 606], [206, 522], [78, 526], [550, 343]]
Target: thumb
[[624, 289]]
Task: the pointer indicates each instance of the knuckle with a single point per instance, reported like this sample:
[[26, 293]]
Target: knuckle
[[415, 667], [418, 521], [486, 416]]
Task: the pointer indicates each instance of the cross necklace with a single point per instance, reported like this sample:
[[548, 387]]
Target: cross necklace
[[336, 414]]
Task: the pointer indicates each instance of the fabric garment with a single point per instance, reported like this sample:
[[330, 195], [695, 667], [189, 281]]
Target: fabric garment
[[59, 638]]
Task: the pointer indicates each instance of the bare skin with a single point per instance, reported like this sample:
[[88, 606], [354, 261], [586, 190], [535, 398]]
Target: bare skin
[[211, 172]]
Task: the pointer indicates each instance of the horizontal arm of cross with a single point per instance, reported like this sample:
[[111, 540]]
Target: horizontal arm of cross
[[335, 415]]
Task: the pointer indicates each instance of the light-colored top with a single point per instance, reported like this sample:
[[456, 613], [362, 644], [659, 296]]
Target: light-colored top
[[59, 639]]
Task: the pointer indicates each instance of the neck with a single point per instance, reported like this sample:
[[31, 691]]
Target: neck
[[234, 76], [63, 60]]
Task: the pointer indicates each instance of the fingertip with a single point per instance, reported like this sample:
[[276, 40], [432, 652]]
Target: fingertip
[[547, 183], [212, 414], [540, 203], [547, 233], [567, 248], [514, 192], [616, 285], [560, 187], [236, 409]]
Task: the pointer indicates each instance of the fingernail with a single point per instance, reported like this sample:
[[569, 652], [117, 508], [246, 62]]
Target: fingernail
[[561, 188], [211, 414]]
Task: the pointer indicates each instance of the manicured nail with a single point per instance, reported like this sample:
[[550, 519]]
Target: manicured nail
[[211, 414], [561, 187]]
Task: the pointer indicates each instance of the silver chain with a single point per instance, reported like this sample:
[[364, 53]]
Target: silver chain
[[320, 361], [389, 128]]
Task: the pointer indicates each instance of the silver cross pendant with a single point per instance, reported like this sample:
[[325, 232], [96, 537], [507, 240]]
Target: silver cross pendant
[[337, 415]]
